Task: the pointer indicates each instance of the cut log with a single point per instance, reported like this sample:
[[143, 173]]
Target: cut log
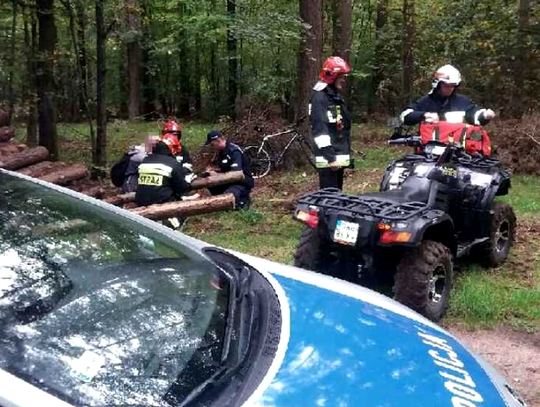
[[218, 179], [39, 169], [94, 192], [122, 199], [11, 147], [183, 209], [6, 133], [198, 183], [65, 175], [24, 158]]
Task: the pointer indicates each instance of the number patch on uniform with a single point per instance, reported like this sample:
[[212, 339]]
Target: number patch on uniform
[[150, 179], [346, 232]]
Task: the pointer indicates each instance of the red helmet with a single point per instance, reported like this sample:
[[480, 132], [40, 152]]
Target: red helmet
[[332, 68], [171, 127], [174, 144]]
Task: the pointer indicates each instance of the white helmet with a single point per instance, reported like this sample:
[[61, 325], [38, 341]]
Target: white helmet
[[447, 74]]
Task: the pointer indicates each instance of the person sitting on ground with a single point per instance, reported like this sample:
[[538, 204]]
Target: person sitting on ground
[[444, 103], [230, 157], [161, 177], [124, 174]]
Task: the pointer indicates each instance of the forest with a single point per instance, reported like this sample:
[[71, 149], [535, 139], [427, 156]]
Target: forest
[[66, 61]]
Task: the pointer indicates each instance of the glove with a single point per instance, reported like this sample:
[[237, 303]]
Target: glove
[[431, 117], [488, 114]]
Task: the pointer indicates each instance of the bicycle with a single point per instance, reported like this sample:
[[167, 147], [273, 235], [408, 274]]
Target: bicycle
[[263, 158]]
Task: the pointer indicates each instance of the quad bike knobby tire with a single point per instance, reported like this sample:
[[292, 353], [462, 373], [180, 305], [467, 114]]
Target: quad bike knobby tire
[[502, 235], [309, 252], [424, 279], [312, 253]]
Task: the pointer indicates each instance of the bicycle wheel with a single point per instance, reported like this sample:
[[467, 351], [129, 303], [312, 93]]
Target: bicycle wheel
[[259, 160]]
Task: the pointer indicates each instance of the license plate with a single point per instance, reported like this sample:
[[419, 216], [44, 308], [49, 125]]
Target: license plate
[[346, 232]]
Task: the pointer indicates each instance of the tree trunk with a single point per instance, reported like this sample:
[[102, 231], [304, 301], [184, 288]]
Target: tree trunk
[[12, 49], [30, 35], [65, 175], [186, 208], [342, 33], [184, 67], [48, 136], [521, 63], [99, 150], [134, 58], [310, 53], [24, 158], [232, 55], [407, 56], [378, 63], [341, 29]]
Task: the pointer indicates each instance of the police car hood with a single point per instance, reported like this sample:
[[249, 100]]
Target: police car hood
[[349, 346]]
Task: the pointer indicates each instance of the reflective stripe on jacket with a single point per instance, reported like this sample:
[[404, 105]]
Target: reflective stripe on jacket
[[330, 127]]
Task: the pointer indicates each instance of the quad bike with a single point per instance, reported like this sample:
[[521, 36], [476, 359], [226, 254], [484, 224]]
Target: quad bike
[[434, 206]]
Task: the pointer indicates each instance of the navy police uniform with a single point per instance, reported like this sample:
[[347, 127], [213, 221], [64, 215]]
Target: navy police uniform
[[331, 132], [232, 158]]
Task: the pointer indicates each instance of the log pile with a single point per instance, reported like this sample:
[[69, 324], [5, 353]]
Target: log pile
[[33, 162]]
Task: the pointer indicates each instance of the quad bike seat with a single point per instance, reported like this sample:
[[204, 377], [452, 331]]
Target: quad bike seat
[[414, 188]]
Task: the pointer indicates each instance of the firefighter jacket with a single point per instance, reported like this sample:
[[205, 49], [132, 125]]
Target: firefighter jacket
[[454, 109], [232, 158], [161, 178], [330, 126]]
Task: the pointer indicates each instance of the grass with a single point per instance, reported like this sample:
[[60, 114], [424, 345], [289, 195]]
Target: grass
[[481, 297]]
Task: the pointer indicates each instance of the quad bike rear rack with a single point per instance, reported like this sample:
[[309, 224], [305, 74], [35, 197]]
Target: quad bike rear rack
[[334, 199]]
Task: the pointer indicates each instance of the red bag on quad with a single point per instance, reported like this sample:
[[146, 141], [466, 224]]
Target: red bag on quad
[[474, 139]]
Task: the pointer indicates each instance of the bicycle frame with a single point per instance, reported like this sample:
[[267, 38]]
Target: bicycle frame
[[278, 158]]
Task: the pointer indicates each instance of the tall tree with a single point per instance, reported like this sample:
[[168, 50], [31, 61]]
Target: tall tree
[[99, 150], [310, 52], [341, 28], [30, 38], [133, 13], [381, 19], [232, 46], [12, 49], [48, 136], [407, 53], [521, 62]]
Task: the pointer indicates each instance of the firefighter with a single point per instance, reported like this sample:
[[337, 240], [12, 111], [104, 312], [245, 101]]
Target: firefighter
[[183, 157], [230, 157], [444, 103], [161, 177], [330, 124]]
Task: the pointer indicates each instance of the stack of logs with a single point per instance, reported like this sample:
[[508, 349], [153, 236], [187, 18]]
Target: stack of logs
[[33, 161]]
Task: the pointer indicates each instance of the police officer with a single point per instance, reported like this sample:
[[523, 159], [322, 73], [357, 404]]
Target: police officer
[[330, 123], [161, 177], [444, 103], [229, 157]]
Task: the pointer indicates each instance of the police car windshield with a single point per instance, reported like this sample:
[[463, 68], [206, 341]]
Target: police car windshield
[[98, 309]]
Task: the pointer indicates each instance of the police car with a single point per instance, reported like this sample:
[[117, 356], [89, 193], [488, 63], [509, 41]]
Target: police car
[[99, 307]]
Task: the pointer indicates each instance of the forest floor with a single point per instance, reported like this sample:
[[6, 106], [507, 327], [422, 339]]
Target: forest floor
[[494, 312]]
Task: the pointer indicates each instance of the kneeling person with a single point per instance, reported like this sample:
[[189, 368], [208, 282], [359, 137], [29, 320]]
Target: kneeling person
[[161, 177], [230, 157]]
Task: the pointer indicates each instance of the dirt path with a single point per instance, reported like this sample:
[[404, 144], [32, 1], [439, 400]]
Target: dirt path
[[516, 355]]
